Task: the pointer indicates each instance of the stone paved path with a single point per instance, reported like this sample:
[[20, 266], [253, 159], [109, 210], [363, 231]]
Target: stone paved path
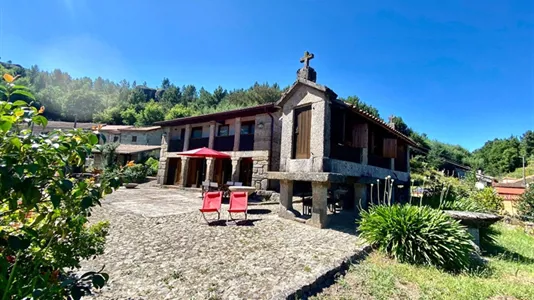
[[159, 248]]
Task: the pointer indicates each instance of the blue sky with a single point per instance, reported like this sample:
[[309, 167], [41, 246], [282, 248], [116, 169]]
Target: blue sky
[[460, 71]]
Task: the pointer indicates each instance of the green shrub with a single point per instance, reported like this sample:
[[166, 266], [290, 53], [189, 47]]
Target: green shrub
[[44, 207], [488, 199], [135, 173], [462, 204], [153, 165], [525, 206], [417, 235]]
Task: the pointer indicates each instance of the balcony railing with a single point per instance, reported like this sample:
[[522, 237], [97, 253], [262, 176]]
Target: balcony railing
[[346, 153], [198, 143], [379, 161], [224, 143], [246, 142], [175, 146]]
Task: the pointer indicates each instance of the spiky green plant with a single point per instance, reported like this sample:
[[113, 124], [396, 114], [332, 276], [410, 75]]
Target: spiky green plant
[[417, 235]]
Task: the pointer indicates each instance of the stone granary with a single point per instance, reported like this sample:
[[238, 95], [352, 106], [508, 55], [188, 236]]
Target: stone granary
[[326, 142], [251, 136], [309, 141]]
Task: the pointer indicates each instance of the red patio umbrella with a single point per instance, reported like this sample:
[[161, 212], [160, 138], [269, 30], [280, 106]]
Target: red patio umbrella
[[204, 152]]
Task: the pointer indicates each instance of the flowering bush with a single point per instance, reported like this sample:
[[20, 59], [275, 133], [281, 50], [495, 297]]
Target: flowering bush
[[44, 231], [135, 173]]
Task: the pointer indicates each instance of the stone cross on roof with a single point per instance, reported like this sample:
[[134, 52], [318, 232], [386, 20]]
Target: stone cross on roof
[[306, 58], [391, 119]]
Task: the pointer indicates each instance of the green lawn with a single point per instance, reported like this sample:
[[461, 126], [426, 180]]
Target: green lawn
[[510, 275]]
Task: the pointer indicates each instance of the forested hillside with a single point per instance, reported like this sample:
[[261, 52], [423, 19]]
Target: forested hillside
[[104, 101]]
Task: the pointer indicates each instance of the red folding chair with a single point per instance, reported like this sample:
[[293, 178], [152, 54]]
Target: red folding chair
[[238, 203], [211, 203]]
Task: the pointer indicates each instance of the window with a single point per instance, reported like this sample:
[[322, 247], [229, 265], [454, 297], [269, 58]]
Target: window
[[196, 133], [224, 130], [134, 138], [247, 128], [115, 138]]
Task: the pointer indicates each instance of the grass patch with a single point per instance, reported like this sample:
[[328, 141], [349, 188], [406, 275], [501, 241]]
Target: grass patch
[[510, 274]]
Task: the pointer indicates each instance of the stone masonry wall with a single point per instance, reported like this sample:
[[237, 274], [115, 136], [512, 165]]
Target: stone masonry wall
[[260, 165], [302, 96]]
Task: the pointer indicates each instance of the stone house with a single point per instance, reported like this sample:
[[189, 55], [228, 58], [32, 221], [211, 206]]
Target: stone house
[[135, 143], [251, 136], [326, 143]]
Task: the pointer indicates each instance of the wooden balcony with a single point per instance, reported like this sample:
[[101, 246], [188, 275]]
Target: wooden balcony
[[224, 143], [198, 143], [246, 142], [175, 146]]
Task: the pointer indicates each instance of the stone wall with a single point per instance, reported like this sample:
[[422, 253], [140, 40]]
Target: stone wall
[[260, 165], [305, 95], [262, 136]]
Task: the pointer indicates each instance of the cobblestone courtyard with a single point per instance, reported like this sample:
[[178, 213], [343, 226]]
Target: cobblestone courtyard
[[159, 248]]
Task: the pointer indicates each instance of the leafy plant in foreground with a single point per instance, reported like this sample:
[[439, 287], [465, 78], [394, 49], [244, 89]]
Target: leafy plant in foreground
[[44, 207], [417, 235]]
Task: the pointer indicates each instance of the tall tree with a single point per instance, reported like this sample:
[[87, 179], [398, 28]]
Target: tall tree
[[171, 96], [401, 126], [356, 102], [219, 93], [153, 112], [527, 143], [205, 99], [189, 94], [136, 97], [165, 83]]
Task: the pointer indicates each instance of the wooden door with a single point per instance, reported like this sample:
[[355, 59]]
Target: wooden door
[[302, 136], [390, 148]]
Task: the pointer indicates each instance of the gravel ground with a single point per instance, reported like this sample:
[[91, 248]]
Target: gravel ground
[[159, 247]]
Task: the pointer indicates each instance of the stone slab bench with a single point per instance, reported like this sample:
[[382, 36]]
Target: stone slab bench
[[474, 221]]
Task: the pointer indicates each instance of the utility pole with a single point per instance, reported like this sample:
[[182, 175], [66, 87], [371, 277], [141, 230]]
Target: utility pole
[[524, 175]]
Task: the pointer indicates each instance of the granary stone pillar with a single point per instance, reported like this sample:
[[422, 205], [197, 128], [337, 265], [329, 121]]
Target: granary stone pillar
[[237, 134], [365, 156], [235, 168], [210, 167], [408, 159], [184, 171], [211, 141], [319, 216], [187, 137], [392, 164], [360, 196], [286, 199]]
